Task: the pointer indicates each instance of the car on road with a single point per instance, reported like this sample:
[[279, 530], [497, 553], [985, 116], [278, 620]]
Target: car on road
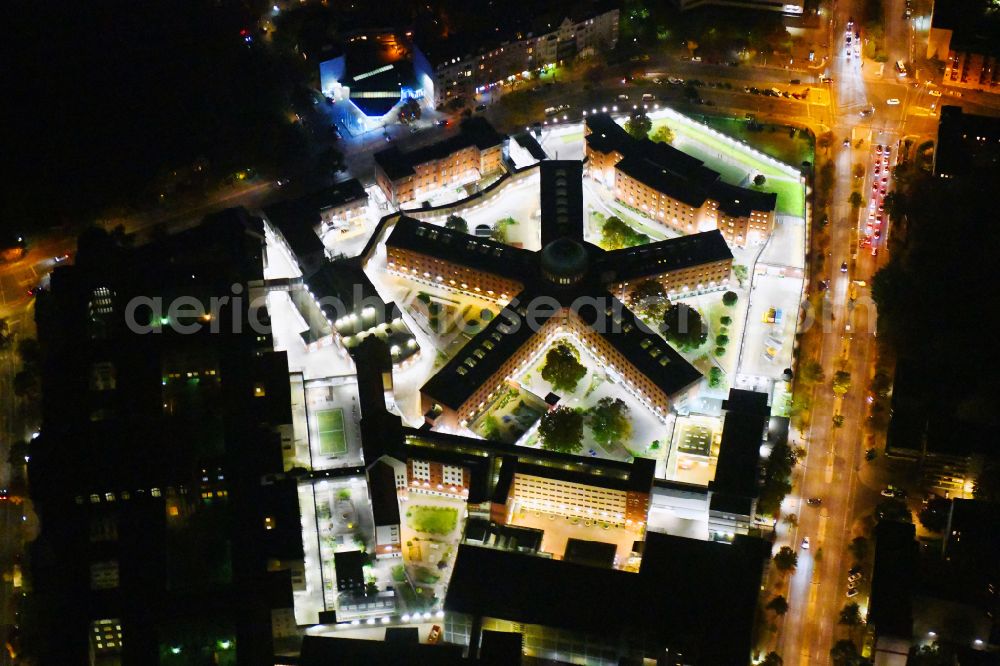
[[480, 107], [623, 97], [814, 501], [61, 258], [805, 543], [888, 491], [854, 577], [442, 123], [34, 291], [878, 149], [852, 592], [847, 142], [892, 101], [843, 267]]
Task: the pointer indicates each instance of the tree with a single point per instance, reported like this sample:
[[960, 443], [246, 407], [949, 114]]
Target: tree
[[740, 273], [858, 548], [759, 180], [850, 615], [17, 452], [663, 134], [5, 336], [987, 485], [638, 125], [792, 520], [491, 429], [786, 559], [772, 659], [812, 371], [562, 368], [729, 298], [845, 653], [609, 421], [722, 340], [838, 420], [894, 203], [934, 516], [779, 605], [30, 353], [725, 320], [562, 430], [615, 234], [25, 384], [715, 377], [683, 326], [649, 298], [824, 140], [841, 382], [456, 223], [893, 510], [499, 232], [855, 199]]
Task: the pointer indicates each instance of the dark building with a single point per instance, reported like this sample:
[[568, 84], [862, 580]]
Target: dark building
[[735, 487], [890, 607], [965, 36], [157, 428], [349, 566], [611, 613], [966, 143]]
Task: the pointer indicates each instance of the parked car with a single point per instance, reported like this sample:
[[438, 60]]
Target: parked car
[[892, 101], [805, 543], [814, 501]]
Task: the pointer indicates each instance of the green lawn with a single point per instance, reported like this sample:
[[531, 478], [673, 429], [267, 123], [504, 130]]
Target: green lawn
[[425, 576], [572, 138], [330, 427], [791, 196], [432, 519], [711, 142], [790, 150]]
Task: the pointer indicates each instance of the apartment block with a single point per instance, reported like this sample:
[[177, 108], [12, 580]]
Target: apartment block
[[406, 177], [673, 188]]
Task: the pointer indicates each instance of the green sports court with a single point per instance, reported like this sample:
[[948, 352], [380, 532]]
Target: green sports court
[[330, 428]]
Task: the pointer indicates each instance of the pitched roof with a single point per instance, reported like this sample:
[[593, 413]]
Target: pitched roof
[[484, 355], [665, 256], [481, 253]]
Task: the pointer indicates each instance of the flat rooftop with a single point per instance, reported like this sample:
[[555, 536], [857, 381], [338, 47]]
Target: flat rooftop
[[684, 592]]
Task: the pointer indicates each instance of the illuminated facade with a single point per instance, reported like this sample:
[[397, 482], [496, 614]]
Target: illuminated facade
[[477, 150], [964, 36], [474, 70]]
